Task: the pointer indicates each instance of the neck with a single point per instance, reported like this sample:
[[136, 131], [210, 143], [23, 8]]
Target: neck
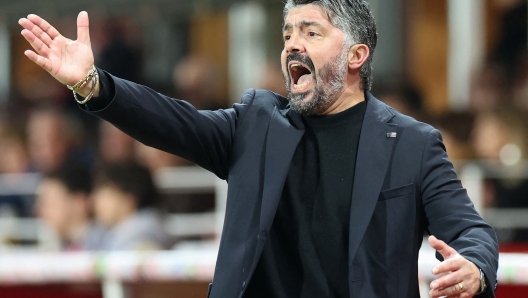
[[77, 230], [351, 96], [127, 210]]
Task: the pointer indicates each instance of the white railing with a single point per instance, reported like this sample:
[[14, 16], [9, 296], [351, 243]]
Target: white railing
[[113, 269], [180, 265]]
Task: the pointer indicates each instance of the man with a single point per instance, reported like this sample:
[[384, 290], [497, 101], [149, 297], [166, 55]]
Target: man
[[330, 190]]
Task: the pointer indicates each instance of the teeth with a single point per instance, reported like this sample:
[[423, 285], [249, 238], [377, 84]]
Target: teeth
[[294, 66], [296, 86]]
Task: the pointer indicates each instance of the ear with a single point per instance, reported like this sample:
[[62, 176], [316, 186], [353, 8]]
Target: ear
[[357, 55]]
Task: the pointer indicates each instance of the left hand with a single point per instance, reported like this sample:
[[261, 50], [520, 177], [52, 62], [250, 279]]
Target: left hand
[[457, 270]]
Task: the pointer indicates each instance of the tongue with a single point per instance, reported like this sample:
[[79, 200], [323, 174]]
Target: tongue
[[304, 79]]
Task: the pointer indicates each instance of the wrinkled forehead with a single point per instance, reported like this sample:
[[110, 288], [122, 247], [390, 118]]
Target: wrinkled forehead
[[306, 13]]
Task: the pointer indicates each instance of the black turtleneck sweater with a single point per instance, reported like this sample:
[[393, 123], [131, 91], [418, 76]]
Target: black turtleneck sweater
[[306, 254]]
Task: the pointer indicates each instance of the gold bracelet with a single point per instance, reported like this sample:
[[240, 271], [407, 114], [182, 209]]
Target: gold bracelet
[[95, 79]]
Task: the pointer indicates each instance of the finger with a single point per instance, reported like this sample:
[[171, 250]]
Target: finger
[[445, 250], [28, 25], [446, 281], [45, 26], [463, 295], [43, 62], [449, 265], [450, 291], [36, 43], [83, 28]]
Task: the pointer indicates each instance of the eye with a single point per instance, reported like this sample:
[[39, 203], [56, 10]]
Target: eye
[[312, 34], [287, 37]]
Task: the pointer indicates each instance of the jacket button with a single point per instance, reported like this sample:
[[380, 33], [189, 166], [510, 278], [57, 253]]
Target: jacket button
[[243, 270], [244, 284]]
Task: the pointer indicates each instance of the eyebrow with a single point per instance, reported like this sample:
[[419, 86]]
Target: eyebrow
[[288, 26]]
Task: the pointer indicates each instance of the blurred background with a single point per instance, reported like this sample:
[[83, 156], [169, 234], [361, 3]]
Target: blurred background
[[86, 211]]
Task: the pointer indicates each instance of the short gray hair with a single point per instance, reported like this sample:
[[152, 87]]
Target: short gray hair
[[354, 18]]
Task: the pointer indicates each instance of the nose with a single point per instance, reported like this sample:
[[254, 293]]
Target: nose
[[294, 44]]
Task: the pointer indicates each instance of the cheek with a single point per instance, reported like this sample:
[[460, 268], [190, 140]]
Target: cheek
[[102, 206], [56, 216], [283, 61]]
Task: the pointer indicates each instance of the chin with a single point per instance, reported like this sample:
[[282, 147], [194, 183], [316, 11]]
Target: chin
[[304, 103]]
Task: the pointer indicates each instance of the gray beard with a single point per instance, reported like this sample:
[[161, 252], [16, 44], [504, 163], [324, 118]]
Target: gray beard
[[329, 82]]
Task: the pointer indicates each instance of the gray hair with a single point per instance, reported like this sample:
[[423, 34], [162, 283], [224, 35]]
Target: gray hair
[[354, 18]]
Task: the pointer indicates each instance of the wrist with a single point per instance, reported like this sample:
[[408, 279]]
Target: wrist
[[90, 81], [85, 90], [482, 282]]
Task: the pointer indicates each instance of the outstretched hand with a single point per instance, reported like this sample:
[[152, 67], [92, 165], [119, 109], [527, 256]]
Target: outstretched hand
[[66, 60], [461, 277]]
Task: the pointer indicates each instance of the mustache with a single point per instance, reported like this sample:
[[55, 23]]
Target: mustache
[[301, 58]]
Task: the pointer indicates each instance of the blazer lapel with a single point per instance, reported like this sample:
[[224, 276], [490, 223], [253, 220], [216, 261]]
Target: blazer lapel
[[281, 142], [373, 156]]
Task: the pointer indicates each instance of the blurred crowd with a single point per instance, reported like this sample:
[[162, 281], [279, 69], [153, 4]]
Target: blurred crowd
[[97, 190], [493, 130]]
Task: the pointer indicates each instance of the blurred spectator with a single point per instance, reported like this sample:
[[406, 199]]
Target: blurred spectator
[[196, 81], [125, 201], [117, 51], [456, 130], [13, 160], [157, 161], [63, 204], [499, 135], [503, 77], [403, 96], [520, 86], [55, 139], [511, 48], [489, 87], [115, 146], [13, 152]]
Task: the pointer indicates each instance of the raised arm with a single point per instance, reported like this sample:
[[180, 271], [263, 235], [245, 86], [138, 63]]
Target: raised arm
[[175, 126]]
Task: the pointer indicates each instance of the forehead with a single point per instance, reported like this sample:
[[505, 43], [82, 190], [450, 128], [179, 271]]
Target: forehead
[[50, 187], [307, 12]]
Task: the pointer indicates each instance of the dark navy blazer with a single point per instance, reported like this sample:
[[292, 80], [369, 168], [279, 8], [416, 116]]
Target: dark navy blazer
[[404, 184]]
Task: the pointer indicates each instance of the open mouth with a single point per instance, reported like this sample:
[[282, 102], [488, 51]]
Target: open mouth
[[301, 76]]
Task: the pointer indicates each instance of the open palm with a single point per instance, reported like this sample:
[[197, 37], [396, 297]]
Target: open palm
[[66, 60]]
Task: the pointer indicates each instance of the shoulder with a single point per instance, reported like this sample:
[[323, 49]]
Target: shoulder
[[407, 122], [411, 126], [264, 99]]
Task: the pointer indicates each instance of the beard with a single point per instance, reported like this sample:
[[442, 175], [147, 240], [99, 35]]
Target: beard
[[329, 82]]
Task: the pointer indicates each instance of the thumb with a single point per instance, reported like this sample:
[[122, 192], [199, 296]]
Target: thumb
[[83, 31], [445, 250]]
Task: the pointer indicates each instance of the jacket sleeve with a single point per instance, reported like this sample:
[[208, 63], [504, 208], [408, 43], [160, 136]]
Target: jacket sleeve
[[171, 125], [450, 214]]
